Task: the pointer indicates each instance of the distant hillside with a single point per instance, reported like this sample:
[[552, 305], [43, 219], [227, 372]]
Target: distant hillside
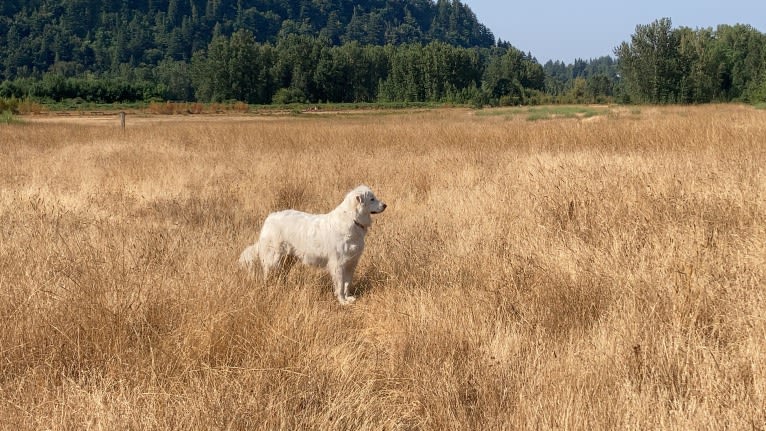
[[76, 36], [315, 51]]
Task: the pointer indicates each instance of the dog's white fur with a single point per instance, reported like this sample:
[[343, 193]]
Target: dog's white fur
[[334, 240]]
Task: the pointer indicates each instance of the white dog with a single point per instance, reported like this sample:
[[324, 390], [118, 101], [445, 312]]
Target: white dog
[[334, 240]]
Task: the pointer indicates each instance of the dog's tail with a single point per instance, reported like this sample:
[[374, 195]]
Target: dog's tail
[[248, 257]]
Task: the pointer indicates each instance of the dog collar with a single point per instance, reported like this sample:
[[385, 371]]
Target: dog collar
[[363, 227]]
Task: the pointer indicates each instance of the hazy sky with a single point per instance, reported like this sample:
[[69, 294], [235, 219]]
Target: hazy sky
[[566, 30]]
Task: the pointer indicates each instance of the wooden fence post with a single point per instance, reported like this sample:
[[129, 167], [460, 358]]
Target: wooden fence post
[[122, 120]]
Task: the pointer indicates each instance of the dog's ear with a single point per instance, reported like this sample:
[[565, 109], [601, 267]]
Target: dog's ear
[[360, 198]]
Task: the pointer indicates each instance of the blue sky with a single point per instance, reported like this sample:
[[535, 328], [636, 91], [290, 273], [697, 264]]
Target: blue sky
[[566, 30]]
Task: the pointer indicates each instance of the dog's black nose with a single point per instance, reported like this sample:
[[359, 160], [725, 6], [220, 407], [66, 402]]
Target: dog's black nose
[[384, 206]]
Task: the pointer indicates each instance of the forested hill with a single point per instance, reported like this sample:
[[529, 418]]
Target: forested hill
[[315, 51], [101, 36]]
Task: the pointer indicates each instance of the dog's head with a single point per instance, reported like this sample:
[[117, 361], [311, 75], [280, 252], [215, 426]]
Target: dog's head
[[364, 203]]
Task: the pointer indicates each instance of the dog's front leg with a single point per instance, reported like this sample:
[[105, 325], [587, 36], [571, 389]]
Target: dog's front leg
[[337, 282], [348, 274], [341, 279]]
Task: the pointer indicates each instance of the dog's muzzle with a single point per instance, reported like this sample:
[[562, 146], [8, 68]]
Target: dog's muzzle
[[381, 210]]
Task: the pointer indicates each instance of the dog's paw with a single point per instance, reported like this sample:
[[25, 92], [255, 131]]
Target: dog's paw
[[347, 300]]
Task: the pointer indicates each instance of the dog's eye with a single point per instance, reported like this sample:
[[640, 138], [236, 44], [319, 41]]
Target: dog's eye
[[373, 199]]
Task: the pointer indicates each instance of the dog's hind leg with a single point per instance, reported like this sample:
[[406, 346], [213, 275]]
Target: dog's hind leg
[[247, 258], [270, 258], [284, 266]]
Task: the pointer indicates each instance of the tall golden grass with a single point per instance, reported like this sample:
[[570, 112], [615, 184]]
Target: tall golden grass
[[599, 273]]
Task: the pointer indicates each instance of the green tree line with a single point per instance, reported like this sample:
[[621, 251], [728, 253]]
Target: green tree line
[[662, 64], [584, 81], [279, 51], [308, 69]]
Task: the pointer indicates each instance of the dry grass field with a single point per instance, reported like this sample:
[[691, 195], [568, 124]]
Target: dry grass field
[[606, 272]]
